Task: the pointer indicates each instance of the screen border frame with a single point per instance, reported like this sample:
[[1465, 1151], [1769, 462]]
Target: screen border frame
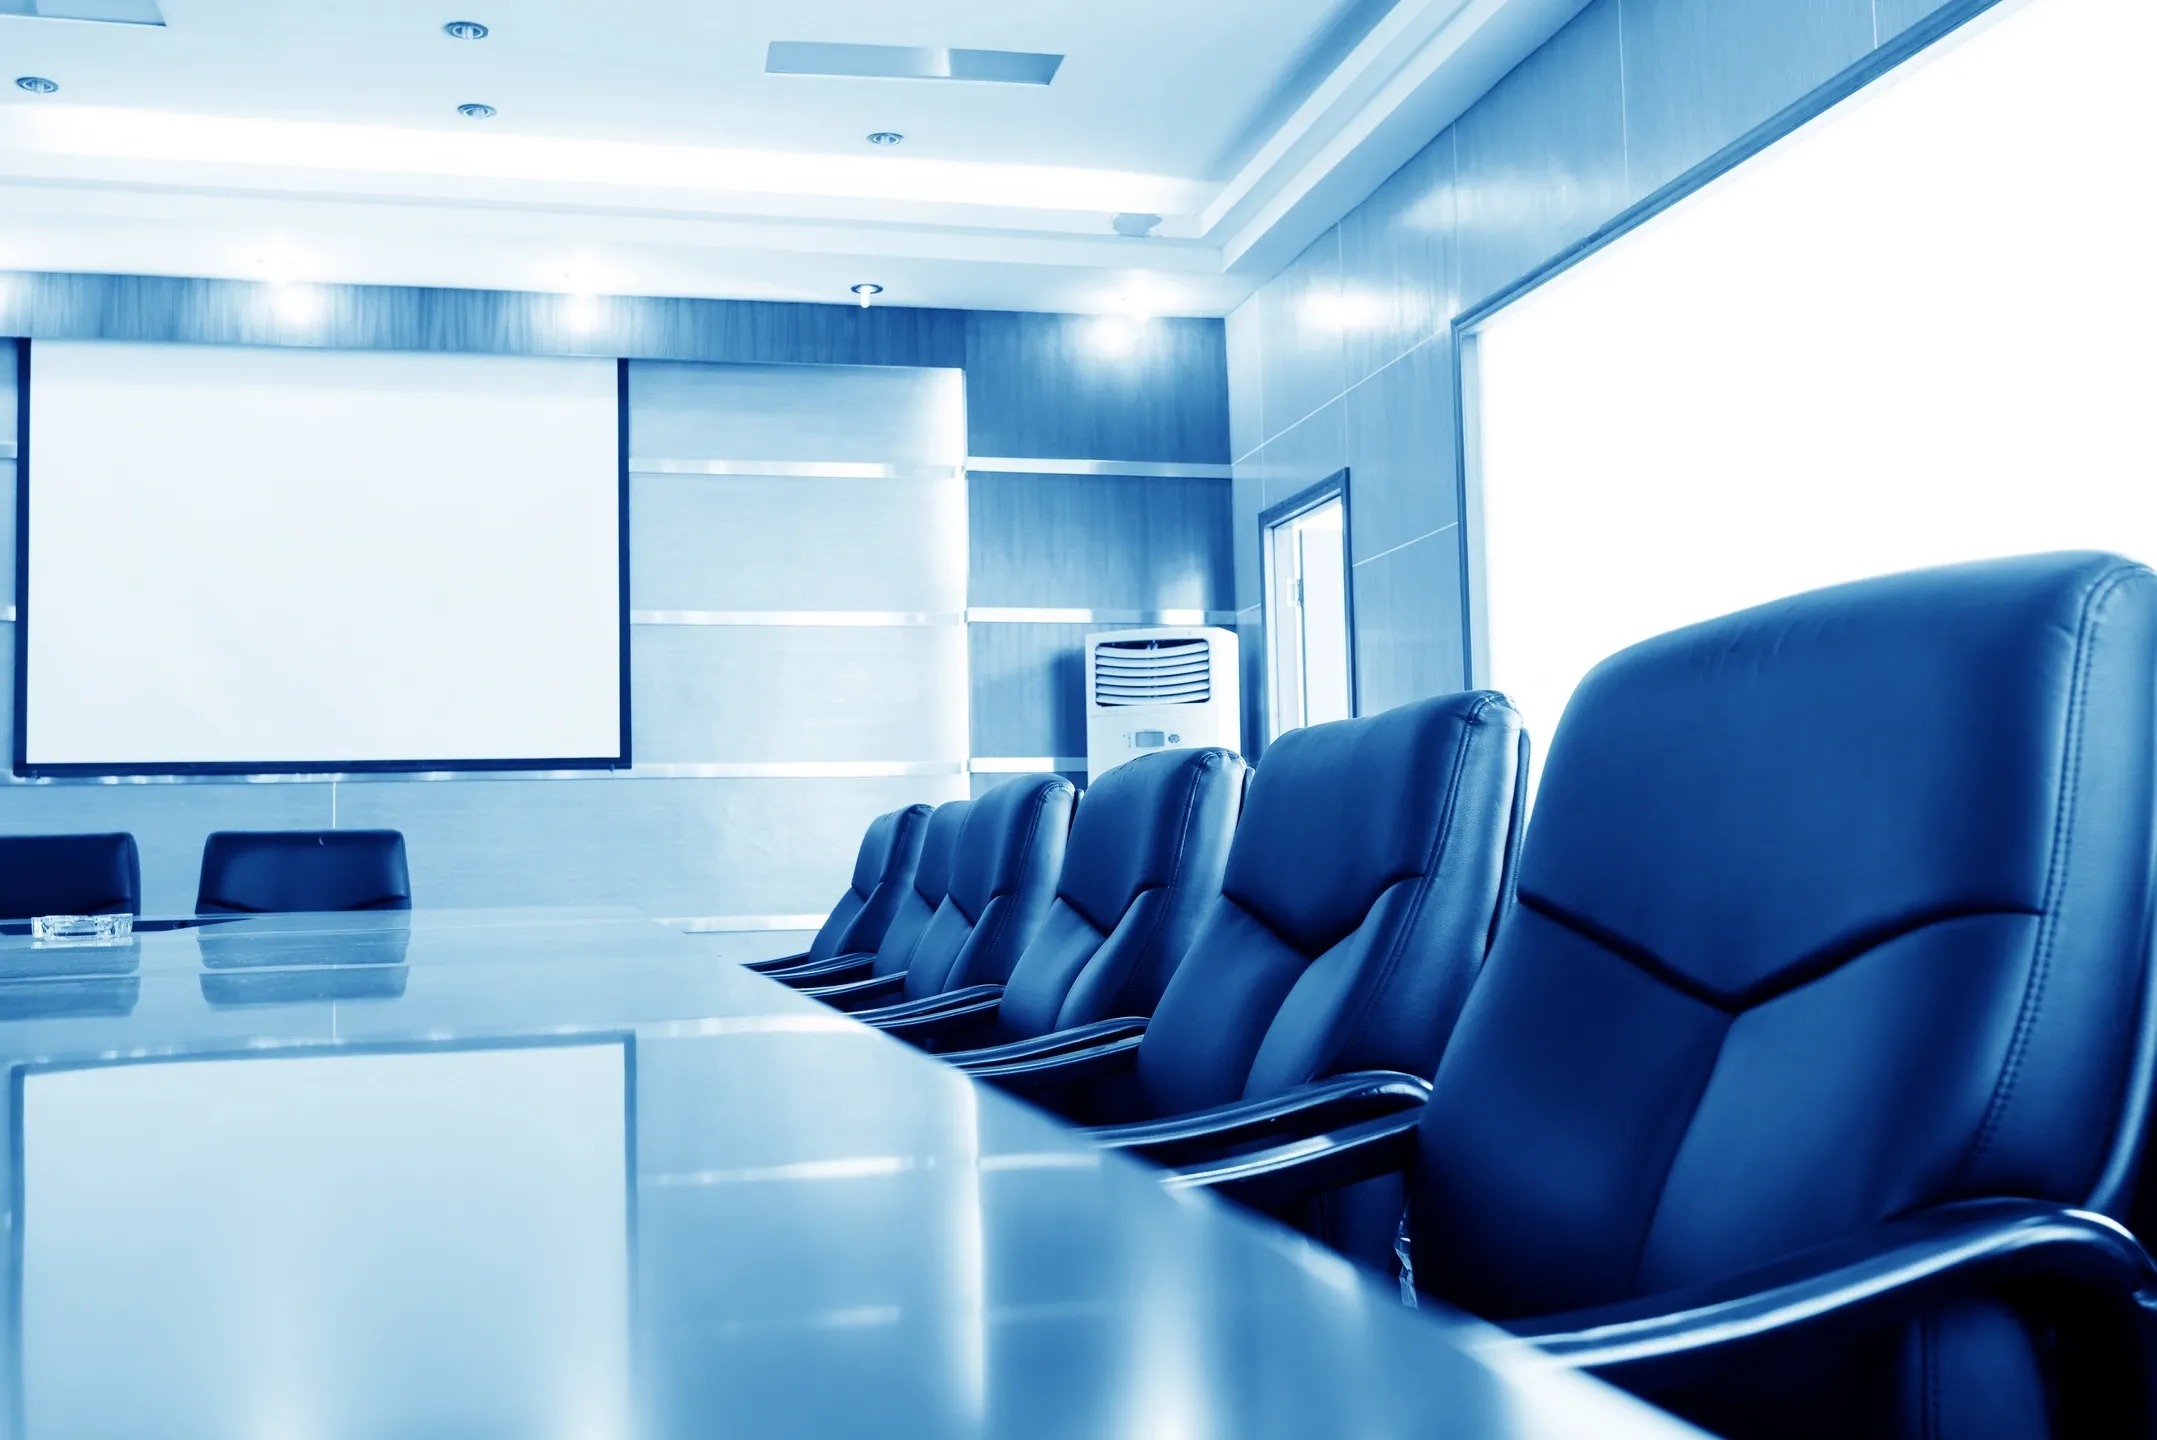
[[24, 769], [1890, 55]]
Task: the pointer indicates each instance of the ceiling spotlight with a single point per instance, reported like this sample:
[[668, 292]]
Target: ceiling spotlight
[[465, 30], [476, 111], [885, 137], [867, 291], [297, 304], [36, 84]]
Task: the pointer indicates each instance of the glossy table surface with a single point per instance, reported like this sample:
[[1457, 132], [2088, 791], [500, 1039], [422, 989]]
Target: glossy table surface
[[562, 1173]]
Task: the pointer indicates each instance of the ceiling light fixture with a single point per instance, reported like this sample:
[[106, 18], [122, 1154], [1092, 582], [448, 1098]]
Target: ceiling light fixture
[[885, 137], [465, 30], [297, 304], [473, 110], [867, 291], [36, 84]]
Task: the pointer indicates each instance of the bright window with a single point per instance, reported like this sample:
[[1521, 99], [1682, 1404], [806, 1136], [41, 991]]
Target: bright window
[[1917, 330]]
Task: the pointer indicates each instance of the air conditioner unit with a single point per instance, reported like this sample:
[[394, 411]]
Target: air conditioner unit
[[1165, 689]]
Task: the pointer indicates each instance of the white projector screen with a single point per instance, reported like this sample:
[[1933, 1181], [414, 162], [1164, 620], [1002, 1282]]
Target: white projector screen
[[354, 1243], [1913, 331], [255, 559]]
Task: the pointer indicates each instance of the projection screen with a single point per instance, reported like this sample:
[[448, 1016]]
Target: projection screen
[[238, 559], [1913, 331]]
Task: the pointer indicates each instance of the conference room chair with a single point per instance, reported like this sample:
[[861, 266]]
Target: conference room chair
[[917, 905], [1371, 861], [69, 875], [883, 870], [263, 871], [1003, 878], [1148, 845], [1806, 1082]]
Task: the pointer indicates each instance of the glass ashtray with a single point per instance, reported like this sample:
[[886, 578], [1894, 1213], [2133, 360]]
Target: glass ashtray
[[84, 929]]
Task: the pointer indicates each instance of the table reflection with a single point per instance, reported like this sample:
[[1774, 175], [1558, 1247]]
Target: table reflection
[[363, 1241]]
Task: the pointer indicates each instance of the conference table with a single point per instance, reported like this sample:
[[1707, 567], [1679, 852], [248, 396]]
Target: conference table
[[563, 1173]]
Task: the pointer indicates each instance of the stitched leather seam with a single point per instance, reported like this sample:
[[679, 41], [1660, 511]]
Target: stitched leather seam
[[1026, 854], [1818, 966], [1430, 873], [2033, 992], [1670, 1163], [1176, 865], [1175, 869]]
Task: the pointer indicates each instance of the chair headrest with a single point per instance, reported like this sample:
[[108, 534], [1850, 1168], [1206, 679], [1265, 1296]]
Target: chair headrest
[[881, 852], [1339, 813], [932, 875], [997, 845], [1749, 801], [1127, 835]]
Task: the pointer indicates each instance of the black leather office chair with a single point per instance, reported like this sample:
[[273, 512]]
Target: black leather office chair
[[1368, 869], [1003, 876], [883, 869], [1144, 861], [69, 875], [1807, 1072], [917, 905], [262, 871]]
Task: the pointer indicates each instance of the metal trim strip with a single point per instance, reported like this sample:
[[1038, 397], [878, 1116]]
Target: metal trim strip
[[1023, 764], [844, 619], [796, 469], [1065, 615], [1142, 469], [687, 770]]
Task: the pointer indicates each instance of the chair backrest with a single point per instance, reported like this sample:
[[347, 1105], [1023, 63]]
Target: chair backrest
[[1831, 909], [69, 875], [932, 879], [1003, 875], [1148, 846], [249, 871], [883, 868], [1366, 875]]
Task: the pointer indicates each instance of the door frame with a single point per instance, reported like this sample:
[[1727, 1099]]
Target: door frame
[[1333, 487]]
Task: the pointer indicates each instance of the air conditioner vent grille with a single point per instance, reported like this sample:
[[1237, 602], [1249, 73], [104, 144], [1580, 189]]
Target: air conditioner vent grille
[[1153, 672]]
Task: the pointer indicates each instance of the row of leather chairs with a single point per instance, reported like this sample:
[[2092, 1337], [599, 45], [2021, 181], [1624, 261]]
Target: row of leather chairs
[[1794, 1072], [243, 871]]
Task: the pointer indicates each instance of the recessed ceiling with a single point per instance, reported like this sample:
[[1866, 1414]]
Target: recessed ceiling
[[643, 141]]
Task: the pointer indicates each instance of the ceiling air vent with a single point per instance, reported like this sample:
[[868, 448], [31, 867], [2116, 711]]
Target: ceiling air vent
[[908, 62], [1153, 672], [109, 12]]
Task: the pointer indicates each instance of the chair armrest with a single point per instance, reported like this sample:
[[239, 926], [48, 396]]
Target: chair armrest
[[1039, 1074], [953, 1014], [1056, 1042], [1267, 1178], [861, 994], [1854, 1286], [1313, 1109], [825, 972], [778, 962]]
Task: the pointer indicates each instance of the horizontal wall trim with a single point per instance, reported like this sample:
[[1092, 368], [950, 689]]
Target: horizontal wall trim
[[1145, 469], [841, 619], [1059, 615], [7, 449], [1024, 764], [691, 770], [704, 923], [7, 614], [797, 469]]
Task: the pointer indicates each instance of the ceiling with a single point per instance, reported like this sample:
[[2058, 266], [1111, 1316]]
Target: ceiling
[[639, 147]]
